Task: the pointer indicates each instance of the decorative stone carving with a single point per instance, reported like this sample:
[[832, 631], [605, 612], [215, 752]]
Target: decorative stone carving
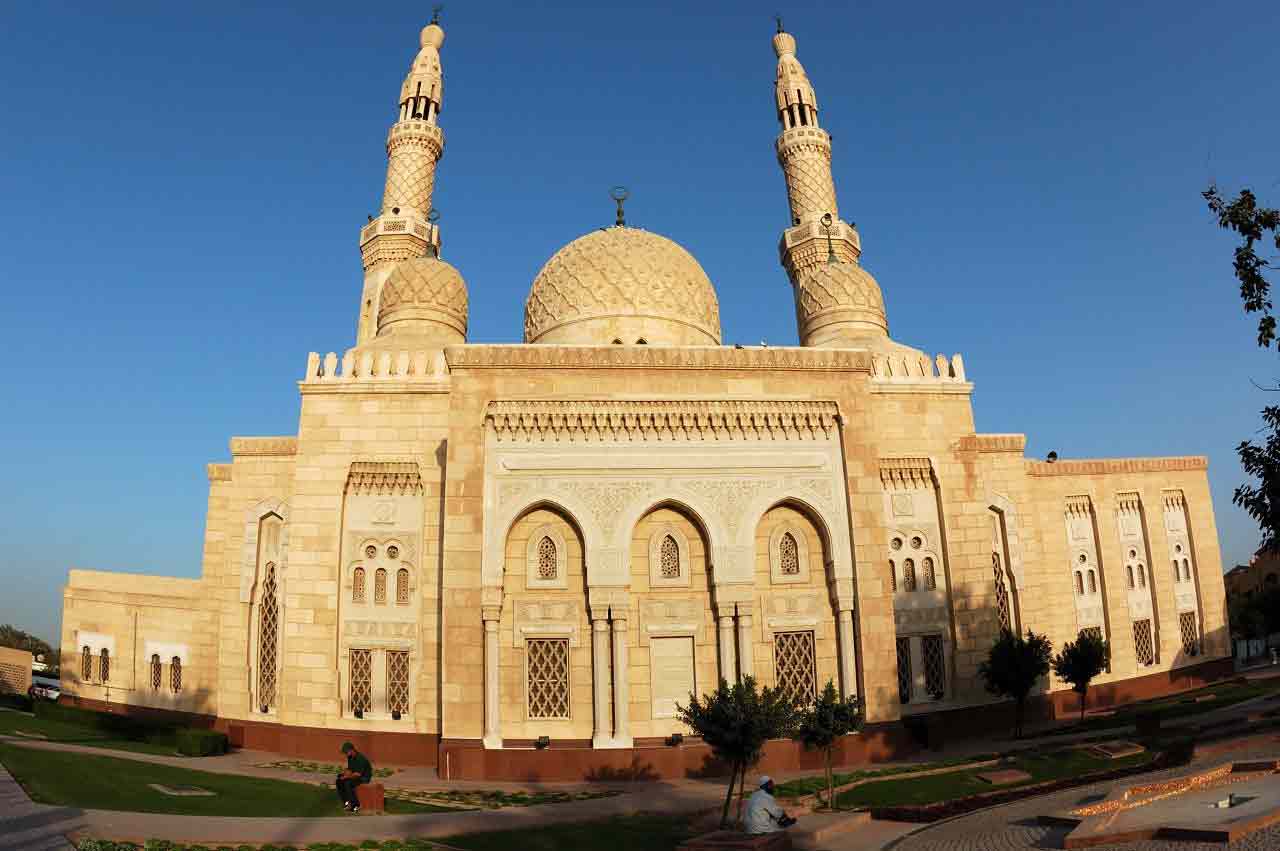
[[384, 477], [671, 616], [669, 559], [535, 618], [783, 611], [792, 566], [546, 566], [649, 357]]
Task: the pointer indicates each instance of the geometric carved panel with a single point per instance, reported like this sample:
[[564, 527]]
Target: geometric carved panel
[[795, 666], [548, 679]]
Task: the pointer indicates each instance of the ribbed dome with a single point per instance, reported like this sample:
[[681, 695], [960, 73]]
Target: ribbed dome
[[622, 284], [424, 297], [837, 303]]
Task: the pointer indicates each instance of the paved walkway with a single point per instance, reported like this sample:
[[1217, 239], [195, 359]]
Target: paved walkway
[[25, 826]]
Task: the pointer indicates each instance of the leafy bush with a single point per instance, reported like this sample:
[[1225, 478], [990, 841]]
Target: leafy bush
[[16, 701], [1013, 667], [125, 726], [193, 741]]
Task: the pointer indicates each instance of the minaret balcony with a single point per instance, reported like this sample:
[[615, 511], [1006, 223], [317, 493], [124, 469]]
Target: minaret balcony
[[798, 136], [419, 131], [806, 244], [396, 237]]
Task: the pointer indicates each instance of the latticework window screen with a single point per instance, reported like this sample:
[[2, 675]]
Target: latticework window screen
[[398, 681], [268, 630], [893, 576], [104, 665], [402, 586], [1143, 650], [904, 669], [357, 586], [546, 559], [930, 575], [155, 671], [86, 664], [548, 680], [1002, 595], [1190, 633], [909, 575], [795, 666], [361, 680], [1096, 632], [669, 554], [935, 666], [175, 674], [380, 586], [789, 554]]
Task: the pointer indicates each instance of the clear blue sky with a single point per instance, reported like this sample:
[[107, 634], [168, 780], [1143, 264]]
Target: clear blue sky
[[180, 194]]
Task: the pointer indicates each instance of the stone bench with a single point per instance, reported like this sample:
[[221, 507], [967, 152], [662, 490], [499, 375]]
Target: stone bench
[[734, 840], [372, 797]]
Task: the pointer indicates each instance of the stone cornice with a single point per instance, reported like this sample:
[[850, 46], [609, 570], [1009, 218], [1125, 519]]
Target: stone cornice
[[264, 446], [906, 473], [1090, 466], [384, 477], [663, 420], [993, 443], [218, 472], [1080, 505], [649, 357]]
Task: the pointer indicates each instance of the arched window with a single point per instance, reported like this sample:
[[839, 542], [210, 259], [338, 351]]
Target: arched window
[[1142, 576], [1079, 582], [1177, 571], [155, 672], [909, 575], [1093, 582], [380, 586], [86, 664], [669, 556], [789, 554], [893, 576], [268, 631], [1129, 568], [930, 576], [175, 674], [547, 558], [402, 586], [357, 586], [104, 665]]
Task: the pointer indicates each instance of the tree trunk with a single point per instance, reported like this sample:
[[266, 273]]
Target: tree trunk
[[831, 784], [742, 791], [728, 798], [1017, 719], [1083, 696]]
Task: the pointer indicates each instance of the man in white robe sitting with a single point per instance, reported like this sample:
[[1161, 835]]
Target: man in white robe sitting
[[763, 813]]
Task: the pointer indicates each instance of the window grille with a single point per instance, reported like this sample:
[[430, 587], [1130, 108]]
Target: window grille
[[1142, 647], [1190, 633], [86, 664], [361, 680], [909, 575], [1096, 632], [402, 586], [546, 559], [175, 674], [155, 671], [398, 681], [1142, 576], [789, 554], [904, 670], [1129, 569], [670, 558], [1186, 569], [893, 576], [380, 586], [548, 678], [268, 629], [935, 666], [104, 665], [357, 586], [1093, 582], [795, 668], [1079, 582], [930, 576], [1177, 571], [1002, 595]]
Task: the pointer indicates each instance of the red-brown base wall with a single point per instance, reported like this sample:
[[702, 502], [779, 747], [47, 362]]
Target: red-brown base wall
[[320, 743], [1067, 703]]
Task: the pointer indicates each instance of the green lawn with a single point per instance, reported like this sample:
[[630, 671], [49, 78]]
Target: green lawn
[[1042, 766], [107, 783], [817, 783], [13, 723], [1178, 705]]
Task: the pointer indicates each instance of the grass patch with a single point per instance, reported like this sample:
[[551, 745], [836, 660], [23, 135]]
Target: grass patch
[[1043, 766], [808, 785], [495, 799], [305, 767], [163, 742], [107, 783], [1180, 705]]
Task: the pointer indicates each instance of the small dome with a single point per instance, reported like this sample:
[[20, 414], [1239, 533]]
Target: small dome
[[424, 297], [837, 303], [625, 285]]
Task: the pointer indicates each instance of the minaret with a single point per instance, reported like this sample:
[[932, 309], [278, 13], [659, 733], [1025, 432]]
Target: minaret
[[405, 228], [837, 302]]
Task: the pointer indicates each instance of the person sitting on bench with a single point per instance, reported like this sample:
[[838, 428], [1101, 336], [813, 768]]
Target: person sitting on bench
[[763, 813], [359, 770]]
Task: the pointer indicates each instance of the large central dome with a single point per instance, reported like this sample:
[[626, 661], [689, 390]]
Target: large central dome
[[622, 285]]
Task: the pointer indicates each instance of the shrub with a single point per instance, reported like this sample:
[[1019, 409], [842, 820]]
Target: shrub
[[16, 701], [196, 742]]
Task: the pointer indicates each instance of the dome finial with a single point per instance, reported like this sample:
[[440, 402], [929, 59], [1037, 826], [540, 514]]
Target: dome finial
[[778, 18], [620, 195], [435, 13]]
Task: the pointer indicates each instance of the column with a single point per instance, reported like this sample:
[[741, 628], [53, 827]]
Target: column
[[492, 717], [746, 652], [728, 666], [848, 656], [600, 681], [621, 686]]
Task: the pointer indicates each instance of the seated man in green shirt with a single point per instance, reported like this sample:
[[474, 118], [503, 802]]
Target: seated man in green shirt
[[359, 770]]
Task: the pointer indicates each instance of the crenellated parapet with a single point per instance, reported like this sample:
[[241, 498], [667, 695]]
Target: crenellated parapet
[[919, 370], [422, 366]]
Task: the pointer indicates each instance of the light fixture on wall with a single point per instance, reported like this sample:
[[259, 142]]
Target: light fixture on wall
[[675, 740], [542, 743], [359, 713], [395, 715]]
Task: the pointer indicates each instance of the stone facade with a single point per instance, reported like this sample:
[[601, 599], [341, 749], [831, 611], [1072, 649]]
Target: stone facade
[[466, 548]]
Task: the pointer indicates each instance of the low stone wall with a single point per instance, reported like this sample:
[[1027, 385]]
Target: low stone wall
[[15, 671]]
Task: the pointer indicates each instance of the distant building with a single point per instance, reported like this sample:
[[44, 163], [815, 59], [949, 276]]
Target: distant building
[[1245, 580], [15, 671]]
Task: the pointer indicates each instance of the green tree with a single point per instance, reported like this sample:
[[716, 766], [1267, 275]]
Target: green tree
[[1013, 666], [821, 725], [735, 721], [1253, 225], [11, 636], [1080, 661]]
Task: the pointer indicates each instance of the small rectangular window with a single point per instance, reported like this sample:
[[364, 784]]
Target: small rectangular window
[[935, 666], [904, 669], [361, 678], [548, 677], [795, 666]]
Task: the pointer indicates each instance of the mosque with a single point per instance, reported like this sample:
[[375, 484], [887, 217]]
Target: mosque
[[514, 561]]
